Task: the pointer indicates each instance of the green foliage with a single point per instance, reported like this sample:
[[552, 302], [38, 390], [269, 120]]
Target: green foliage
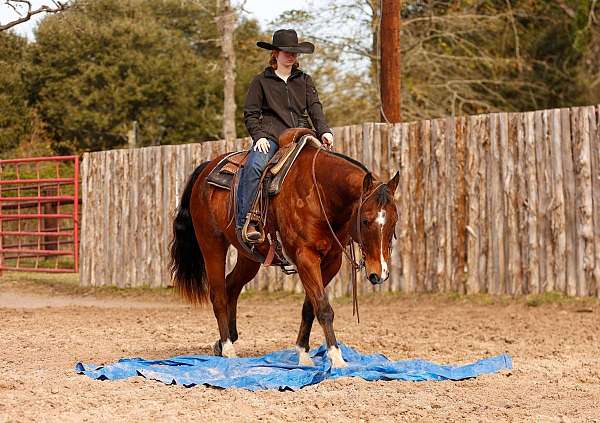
[[14, 111]]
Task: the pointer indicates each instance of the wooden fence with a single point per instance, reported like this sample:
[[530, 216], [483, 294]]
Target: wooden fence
[[505, 203]]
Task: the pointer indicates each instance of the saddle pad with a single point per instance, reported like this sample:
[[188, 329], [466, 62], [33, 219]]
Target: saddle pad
[[221, 177]]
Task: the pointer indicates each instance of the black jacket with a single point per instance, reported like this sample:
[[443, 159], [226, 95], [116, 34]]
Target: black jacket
[[273, 105]]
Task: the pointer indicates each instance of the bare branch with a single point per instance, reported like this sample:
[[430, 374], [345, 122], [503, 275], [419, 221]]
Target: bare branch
[[57, 7]]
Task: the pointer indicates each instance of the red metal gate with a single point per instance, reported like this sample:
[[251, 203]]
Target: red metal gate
[[39, 214]]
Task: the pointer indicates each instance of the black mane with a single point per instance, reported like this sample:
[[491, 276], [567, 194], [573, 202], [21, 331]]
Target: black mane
[[350, 159], [383, 194]]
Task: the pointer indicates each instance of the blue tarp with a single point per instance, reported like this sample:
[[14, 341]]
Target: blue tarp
[[279, 370]]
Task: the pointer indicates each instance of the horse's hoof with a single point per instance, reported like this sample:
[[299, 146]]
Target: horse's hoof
[[217, 349], [337, 361], [303, 358], [227, 350]]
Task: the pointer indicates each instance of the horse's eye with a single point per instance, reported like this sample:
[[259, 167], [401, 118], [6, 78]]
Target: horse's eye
[[364, 221]]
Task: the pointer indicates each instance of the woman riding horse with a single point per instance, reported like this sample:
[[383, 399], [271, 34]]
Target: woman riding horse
[[327, 202], [280, 97]]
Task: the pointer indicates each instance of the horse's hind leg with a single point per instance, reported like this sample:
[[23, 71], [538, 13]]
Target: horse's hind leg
[[243, 272], [215, 275]]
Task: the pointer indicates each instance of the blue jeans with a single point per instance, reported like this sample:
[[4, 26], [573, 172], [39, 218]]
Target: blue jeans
[[249, 179]]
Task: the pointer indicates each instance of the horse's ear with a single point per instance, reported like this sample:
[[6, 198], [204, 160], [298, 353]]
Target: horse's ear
[[393, 183], [367, 182]]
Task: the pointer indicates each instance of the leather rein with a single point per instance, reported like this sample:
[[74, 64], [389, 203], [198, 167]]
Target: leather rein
[[350, 256]]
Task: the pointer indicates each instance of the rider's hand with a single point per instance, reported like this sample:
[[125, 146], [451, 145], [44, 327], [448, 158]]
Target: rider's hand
[[262, 145], [327, 139]]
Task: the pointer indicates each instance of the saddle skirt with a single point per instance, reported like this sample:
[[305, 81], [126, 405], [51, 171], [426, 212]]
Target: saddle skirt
[[223, 174]]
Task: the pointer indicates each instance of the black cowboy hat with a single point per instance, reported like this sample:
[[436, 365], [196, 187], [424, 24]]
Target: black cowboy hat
[[287, 40]]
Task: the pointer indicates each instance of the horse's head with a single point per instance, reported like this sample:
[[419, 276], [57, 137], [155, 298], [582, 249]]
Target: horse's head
[[376, 221]]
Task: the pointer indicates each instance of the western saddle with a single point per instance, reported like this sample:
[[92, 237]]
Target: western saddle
[[225, 175]]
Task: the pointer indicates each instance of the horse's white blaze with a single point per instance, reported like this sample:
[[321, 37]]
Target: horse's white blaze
[[384, 267], [228, 350], [380, 217], [335, 355], [303, 357]]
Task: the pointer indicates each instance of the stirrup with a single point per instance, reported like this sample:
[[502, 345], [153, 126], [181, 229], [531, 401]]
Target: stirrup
[[251, 219]]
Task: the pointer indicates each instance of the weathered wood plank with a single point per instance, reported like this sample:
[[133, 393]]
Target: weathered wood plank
[[472, 182], [594, 117], [557, 211], [106, 247], [458, 206], [405, 194], [495, 268], [484, 218], [439, 188], [542, 200], [427, 235], [510, 243], [521, 204], [583, 198], [395, 164], [417, 216], [531, 203], [570, 205], [115, 219], [545, 201], [511, 180]]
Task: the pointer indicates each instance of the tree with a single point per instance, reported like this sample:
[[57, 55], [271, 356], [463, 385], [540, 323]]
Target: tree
[[226, 23]]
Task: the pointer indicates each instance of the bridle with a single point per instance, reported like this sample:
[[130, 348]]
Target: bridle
[[350, 256]]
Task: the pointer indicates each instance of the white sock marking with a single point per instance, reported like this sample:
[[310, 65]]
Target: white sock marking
[[335, 355], [303, 357], [227, 350]]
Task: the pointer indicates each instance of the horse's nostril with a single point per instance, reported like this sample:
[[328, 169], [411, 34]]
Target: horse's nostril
[[374, 278]]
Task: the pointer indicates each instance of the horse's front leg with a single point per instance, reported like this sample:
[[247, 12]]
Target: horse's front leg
[[309, 269]]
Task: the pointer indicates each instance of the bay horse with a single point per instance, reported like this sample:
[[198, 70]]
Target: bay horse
[[350, 203]]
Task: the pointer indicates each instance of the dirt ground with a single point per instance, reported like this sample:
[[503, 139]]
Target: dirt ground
[[48, 324]]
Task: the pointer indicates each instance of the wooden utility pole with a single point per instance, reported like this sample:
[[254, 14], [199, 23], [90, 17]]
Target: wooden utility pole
[[389, 80], [226, 25]]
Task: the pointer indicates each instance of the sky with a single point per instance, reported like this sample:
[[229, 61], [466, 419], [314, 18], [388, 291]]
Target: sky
[[263, 10]]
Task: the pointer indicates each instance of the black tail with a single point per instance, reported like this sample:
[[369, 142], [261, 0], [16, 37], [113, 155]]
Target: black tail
[[187, 262]]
